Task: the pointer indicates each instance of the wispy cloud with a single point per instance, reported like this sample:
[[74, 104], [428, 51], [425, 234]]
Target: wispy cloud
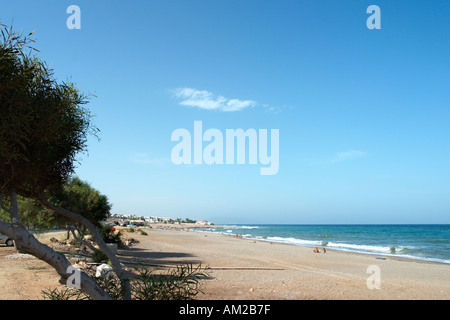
[[341, 157], [274, 109], [143, 158], [209, 101], [348, 155]]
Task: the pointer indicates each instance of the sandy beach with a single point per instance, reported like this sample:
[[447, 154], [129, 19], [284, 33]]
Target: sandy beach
[[252, 270]]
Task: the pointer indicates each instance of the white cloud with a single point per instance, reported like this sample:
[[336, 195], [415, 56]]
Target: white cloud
[[206, 100]]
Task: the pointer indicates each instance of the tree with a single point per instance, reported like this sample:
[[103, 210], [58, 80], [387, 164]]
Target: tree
[[34, 216], [43, 127], [75, 195], [79, 196]]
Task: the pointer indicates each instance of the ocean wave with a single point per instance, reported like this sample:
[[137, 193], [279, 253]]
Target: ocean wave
[[364, 248], [247, 227], [295, 241], [361, 247], [398, 251], [418, 250], [333, 245]]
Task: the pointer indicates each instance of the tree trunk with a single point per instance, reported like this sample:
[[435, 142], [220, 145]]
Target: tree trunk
[[26, 243], [97, 239]]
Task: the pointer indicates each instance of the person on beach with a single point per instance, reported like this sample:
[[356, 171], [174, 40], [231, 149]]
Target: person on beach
[[316, 250]]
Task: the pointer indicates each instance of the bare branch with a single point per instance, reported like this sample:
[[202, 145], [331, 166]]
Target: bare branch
[[96, 237], [26, 243], [80, 239]]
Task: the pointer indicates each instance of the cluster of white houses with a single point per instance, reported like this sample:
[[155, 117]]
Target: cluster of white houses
[[133, 220]]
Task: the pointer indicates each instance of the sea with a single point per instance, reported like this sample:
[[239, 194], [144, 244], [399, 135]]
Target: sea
[[428, 242]]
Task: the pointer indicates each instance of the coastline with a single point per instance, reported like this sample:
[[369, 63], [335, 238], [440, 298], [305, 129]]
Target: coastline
[[247, 269], [240, 231]]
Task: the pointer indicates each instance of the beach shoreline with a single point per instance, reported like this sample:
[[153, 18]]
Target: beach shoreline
[[212, 229], [247, 269], [252, 269]]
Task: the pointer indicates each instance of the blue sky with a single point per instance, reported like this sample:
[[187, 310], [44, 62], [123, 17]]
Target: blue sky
[[363, 115]]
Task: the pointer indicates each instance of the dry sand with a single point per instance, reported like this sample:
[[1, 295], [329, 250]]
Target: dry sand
[[245, 269]]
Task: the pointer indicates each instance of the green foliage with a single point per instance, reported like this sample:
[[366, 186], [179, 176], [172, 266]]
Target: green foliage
[[43, 128], [180, 283], [63, 294], [75, 195], [110, 236], [36, 217], [98, 256], [43, 124], [80, 197], [111, 284]]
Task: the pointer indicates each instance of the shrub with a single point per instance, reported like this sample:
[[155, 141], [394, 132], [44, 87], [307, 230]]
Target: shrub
[[180, 283], [110, 236], [98, 256], [63, 294]]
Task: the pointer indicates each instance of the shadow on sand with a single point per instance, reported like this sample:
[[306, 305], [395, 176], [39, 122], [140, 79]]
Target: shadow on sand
[[137, 255]]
